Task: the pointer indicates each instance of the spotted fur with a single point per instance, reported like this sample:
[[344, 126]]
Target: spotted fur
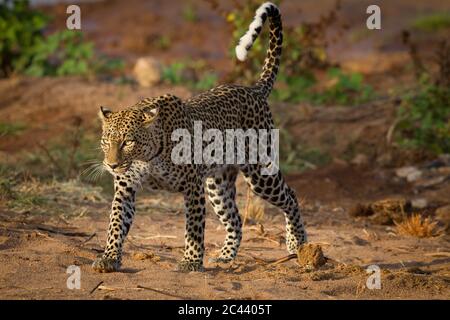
[[137, 145]]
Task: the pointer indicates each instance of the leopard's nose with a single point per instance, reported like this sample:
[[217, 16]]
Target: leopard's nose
[[113, 165]]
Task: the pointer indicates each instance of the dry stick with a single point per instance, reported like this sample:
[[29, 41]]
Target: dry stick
[[284, 259], [96, 287], [254, 258], [247, 204], [162, 292], [87, 240], [265, 238], [75, 145], [65, 233], [50, 157], [437, 254], [154, 237]]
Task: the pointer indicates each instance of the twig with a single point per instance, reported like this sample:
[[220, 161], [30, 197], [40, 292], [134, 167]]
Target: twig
[[265, 238], [102, 287], [284, 259], [247, 204], [437, 254], [50, 157], [95, 288], [155, 237], [65, 233], [254, 258], [162, 292], [87, 240]]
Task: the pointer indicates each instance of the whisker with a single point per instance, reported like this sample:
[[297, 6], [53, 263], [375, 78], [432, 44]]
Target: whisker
[[90, 161], [93, 172]]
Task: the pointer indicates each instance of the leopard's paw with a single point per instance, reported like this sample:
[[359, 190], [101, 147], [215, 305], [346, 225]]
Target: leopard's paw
[[221, 259], [104, 265], [188, 266]]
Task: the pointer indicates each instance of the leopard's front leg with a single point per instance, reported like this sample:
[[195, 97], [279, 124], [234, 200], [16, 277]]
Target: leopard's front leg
[[195, 230], [120, 220]]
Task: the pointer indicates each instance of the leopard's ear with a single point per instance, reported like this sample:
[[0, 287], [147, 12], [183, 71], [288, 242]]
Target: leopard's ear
[[104, 113], [150, 113], [152, 107]]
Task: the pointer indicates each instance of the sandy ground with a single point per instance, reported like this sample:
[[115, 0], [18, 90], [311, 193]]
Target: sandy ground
[[35, 252], [39, 243]]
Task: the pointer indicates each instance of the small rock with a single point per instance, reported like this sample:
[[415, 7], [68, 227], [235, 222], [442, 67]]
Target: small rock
[[419, 203], [359, 242], [443, 214], [410, 173], [360, 159], [414, 176], [427, 183], [147, 71], [361, 210], [404, 171], [384, 159], [441, 170]]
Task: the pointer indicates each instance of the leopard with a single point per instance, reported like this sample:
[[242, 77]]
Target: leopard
[[138, 146]]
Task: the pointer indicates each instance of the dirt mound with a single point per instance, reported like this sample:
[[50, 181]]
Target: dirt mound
[[385, 211], [311, 256]]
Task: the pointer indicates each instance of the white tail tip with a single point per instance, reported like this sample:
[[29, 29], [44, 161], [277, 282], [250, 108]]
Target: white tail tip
[[247, 39]]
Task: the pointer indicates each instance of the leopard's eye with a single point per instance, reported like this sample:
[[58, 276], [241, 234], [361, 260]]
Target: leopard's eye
[[128, 143]]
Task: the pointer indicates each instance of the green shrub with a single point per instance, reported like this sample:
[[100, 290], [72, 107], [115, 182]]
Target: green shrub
[[297, 157], [433, 22], [304, 54], [348, 89], [173, 73], [25, 49], [20, 30], [189, 74], [10, 128], [424, 119], [190, 13]]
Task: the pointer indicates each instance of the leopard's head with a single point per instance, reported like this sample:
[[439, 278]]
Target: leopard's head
[[128, 135]]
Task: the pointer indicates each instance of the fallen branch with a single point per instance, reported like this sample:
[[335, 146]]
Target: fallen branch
[[50, 157], [158, 236], [96, 287], [87, 240], [65, 233], [162, 292], [284, 259], [265, 238], [247, 204], [255, 258], [437, 254]]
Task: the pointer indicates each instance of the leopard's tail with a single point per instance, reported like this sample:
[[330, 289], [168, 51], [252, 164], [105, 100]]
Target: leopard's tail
[[272, 61]]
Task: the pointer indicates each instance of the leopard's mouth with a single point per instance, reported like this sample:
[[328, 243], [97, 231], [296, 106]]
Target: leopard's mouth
[[121, 169]]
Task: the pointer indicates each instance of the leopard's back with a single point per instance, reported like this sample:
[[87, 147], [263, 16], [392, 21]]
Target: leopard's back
[[230, 107]]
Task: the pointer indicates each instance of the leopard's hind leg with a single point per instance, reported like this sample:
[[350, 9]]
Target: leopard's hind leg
[[275, 190], [221, 190]]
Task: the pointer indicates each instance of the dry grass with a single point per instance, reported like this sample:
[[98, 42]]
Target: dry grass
[[417, 227], [66, 198], [254, 210]]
